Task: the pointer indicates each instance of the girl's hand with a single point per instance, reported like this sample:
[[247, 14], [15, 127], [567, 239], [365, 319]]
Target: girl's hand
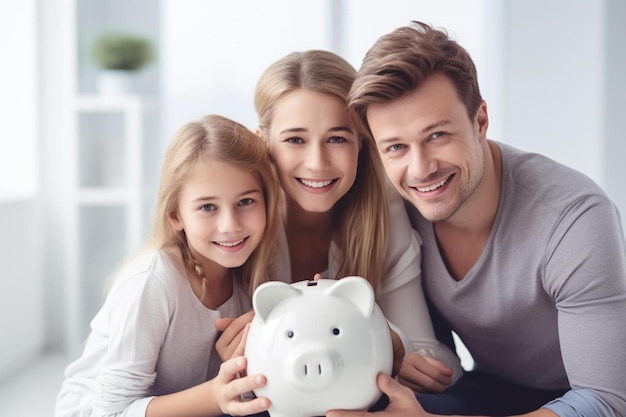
[[218, 396], [228, 389]]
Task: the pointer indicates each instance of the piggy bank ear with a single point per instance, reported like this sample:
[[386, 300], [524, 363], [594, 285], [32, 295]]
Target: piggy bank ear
[[269, 295], [356, 290]]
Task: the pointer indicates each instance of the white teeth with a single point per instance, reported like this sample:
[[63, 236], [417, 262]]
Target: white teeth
[[230, 244], [315, 184], [432, 187]]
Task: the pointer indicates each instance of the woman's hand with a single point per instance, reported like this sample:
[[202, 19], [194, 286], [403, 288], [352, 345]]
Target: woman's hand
[[232, 332], [424, 374]]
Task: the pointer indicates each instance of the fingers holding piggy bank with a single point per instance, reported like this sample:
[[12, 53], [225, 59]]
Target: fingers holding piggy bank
[[321, 345]]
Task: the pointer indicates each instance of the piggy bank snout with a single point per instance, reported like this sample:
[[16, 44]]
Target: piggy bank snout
[[313, 368]]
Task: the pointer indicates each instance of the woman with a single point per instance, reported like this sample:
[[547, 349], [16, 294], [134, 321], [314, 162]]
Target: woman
[[340, 216]]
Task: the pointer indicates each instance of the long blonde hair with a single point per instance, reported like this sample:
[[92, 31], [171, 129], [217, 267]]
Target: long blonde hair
[[361, 216], [219, 139]]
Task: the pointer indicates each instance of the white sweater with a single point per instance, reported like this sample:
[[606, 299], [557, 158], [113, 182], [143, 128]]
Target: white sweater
[[151, 337]]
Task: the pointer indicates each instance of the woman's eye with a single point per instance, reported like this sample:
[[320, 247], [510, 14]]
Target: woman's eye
[[337, 139], [246, 202], [294, 140], [208, 207]]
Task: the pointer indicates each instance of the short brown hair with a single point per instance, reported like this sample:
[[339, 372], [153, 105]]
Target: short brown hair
[[401, 61]]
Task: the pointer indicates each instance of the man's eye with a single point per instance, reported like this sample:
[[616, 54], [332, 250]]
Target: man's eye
[[246, 202], [294, 140], [437, 135], [395, 148], [208, 207]]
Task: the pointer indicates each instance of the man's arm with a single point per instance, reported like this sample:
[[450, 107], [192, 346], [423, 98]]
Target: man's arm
[[585, 274], [402, 403]]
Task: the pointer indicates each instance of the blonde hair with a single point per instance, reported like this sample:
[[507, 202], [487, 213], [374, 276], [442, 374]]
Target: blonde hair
[[361, 216], [219, 139]]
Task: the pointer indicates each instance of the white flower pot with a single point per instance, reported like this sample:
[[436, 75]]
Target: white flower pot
[[115, 82]]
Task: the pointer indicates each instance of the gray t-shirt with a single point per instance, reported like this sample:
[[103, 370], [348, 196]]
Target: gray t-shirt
[[544, 306]]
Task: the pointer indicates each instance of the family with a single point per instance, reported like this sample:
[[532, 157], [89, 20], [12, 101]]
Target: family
[[387, 173]]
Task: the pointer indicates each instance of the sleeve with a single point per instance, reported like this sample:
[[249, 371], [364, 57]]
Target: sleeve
[[138, 319], [402, 298], [586, 276]]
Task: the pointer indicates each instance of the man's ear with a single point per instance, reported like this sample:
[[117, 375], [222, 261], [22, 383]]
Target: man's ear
[[176, 223], [482, 120]]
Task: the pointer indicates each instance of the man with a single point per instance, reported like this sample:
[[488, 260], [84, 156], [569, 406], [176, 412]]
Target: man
[[522, 257]]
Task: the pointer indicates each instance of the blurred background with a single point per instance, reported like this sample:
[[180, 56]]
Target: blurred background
[[80, 153]]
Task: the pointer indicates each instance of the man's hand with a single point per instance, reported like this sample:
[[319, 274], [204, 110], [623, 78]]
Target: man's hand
[[424, 374], [402, 402], [232, 332]]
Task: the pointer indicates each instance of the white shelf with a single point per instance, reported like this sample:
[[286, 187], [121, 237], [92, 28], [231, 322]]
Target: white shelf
[[104, 103], [108, 200]]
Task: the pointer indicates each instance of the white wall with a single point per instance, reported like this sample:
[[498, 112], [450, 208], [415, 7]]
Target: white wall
[[22, 310], [214, 51], [614, 110], [564, 66], [554, 70]]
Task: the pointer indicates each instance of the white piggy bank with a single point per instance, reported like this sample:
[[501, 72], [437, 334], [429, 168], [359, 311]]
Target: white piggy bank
[[320, 344]]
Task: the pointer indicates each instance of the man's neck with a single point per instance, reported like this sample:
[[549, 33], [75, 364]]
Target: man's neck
[[463, 237]]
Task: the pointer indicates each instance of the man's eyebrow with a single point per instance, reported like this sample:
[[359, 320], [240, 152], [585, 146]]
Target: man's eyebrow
[[435, 126], [422, 131]]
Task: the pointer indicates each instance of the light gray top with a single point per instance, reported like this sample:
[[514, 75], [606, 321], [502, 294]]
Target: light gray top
[[151, 337], [544, 306]]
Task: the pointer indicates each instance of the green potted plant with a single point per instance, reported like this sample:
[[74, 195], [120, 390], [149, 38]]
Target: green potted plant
[[119, 56]]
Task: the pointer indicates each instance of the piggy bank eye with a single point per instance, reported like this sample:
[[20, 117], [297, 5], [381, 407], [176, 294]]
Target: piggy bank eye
[[336, 331], [289, 334]]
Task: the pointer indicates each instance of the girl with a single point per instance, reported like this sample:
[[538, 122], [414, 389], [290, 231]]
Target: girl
[[151, 348], [340, 216]]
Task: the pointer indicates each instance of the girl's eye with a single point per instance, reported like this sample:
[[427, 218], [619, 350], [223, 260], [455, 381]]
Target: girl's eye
[[395, 148], [294, 140], [246, 202], [337, 139], [208, 207]]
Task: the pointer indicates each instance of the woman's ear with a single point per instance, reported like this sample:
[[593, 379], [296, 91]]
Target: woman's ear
[[176, 223], [259, 132]]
